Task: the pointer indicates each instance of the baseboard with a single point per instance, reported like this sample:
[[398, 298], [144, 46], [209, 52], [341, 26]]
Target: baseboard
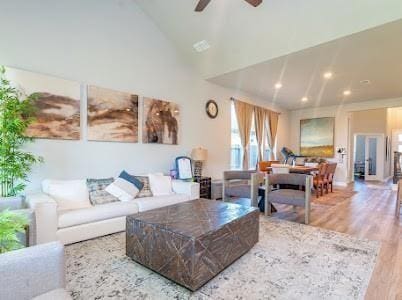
[[340, 183]]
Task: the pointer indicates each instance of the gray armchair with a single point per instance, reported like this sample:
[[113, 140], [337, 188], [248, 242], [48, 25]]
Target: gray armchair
[[289, 196], [236, 184], [33, 273]]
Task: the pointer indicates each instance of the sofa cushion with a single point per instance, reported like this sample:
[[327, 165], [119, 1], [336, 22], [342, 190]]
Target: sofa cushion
[[146, 189], [96, 213], [98, 193], [286, 196], [122, 189], [149, 203], [69, 194], [160, 185]]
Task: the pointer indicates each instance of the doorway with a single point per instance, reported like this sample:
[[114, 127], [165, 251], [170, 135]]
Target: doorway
[[396, 145], [368, 157]]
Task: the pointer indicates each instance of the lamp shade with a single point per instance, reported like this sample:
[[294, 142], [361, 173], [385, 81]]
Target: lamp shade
[[199, 154]]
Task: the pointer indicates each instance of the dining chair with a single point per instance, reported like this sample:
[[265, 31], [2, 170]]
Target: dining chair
[[319, 180], [398, 199], [329, 176], [265, 164]]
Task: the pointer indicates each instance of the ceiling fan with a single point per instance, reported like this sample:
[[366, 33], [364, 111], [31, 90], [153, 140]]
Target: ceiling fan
[[203, 3]]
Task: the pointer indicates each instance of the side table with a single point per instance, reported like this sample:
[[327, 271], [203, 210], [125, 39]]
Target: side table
[[205, 186]]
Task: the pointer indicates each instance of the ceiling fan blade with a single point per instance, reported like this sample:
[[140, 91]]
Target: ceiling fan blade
[[201, 5], [254, 3]]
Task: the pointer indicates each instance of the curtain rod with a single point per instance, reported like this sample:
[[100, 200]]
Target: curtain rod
[[234, 99]]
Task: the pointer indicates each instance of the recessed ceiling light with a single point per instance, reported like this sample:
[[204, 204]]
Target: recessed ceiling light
[[327, 75], [347, 92], [201, 46], [304, 99], [278, 85]]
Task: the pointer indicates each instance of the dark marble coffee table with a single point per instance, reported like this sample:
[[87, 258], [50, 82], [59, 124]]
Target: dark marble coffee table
[[192, 242]]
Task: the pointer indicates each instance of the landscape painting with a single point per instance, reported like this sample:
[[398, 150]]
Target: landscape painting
[[112, 115], [317, 137], [57, 104], [161, 122]]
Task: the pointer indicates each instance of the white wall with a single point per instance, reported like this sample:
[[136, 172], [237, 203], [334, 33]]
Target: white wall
[[342, 114], [113, 44]]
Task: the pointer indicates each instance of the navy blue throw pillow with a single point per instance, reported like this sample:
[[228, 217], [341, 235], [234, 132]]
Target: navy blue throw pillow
[[130, 178]]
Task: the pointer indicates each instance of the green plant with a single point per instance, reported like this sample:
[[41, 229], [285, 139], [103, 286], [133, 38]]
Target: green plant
[[15, 117], [11, 223]]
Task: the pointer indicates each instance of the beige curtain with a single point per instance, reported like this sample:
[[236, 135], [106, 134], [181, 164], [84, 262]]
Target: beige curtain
[[272, 122], [244, 114], [259, 120]]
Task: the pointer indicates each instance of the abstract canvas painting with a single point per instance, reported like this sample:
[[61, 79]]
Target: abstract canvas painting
[[57, 103], [112, 115], [161, 122], [317, 137]]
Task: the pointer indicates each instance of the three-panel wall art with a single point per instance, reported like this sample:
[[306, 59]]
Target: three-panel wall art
[[112, 116]]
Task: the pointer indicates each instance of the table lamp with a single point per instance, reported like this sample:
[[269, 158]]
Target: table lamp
[[198, 155]]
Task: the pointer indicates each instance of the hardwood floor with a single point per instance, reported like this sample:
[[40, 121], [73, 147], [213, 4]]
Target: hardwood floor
[[365, 211]]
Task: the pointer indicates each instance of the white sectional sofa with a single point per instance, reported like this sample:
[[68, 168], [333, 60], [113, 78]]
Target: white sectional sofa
[[75, 225]]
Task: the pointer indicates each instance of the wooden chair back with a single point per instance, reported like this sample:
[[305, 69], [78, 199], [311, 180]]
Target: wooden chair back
[[265, 164], [331, 168]]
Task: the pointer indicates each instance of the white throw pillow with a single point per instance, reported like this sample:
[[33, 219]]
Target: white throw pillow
[[160, 185], [122, 189], [69, 194]]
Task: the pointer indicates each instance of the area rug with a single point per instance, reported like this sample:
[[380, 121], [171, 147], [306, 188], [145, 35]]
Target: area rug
[[291, 261]]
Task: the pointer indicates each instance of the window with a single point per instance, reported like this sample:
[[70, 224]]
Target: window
[[236, 151]]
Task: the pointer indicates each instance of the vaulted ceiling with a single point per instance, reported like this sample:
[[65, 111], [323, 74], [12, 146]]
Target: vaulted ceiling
[[292, 41], [368, 64]]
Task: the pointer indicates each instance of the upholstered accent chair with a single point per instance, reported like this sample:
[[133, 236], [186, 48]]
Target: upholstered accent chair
[[280, 169], [236, 184], [33, 273], [300, 197]]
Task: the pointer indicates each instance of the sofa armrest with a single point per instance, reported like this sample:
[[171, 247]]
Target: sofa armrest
[[192, 189], [45, 209], [32, 271]]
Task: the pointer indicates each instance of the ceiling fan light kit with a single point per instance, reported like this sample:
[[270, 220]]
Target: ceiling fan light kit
[[203, 3]]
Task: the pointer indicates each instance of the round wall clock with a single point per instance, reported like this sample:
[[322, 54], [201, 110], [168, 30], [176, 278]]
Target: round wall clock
[[212, 109]]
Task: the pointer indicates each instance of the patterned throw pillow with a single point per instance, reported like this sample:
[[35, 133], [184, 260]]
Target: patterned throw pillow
[[97, 193], [146, 189]]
